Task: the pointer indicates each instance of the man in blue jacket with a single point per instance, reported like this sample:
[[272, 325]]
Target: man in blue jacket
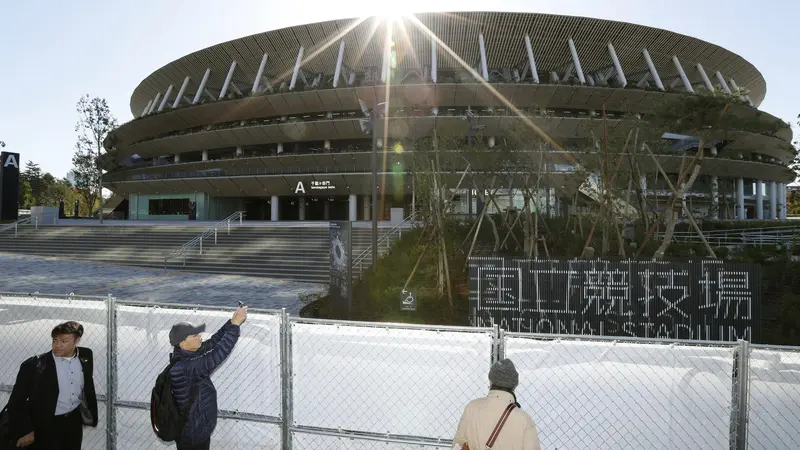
[[195, 361]]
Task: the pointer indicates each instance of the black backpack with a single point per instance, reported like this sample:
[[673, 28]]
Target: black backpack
[[166, 417]]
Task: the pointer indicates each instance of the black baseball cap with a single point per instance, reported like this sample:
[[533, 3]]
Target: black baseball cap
[[182, 330]]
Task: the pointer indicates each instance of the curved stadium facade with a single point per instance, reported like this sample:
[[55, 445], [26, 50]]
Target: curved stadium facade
[[272, 124]]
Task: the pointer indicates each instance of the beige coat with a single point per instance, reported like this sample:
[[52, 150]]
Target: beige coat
[[481, 416]]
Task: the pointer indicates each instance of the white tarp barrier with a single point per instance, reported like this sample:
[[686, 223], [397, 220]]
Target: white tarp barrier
[[26, 323], [134, 433], [774, 400], [615, 395], [247, 382], [386, 380]]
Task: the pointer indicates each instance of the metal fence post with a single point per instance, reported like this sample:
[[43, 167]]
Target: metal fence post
[[286, 382], [501, 343], [201, 246], [744, 382], [739, 411], [497, 344], [111, 373]]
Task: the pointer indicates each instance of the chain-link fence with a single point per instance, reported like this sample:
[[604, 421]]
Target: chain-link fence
[[296, 383]]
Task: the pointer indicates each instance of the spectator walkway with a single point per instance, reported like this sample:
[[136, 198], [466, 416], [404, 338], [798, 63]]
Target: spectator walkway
[[26, 274]]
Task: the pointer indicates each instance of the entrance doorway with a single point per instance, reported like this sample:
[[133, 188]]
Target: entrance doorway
[[289, 208], [257, 209]]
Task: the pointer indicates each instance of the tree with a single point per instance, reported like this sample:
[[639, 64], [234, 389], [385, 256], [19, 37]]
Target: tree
[[32, 185], [95, 122]]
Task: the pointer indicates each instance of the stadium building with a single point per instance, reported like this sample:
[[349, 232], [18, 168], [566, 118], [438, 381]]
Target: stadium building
[[272, 123]]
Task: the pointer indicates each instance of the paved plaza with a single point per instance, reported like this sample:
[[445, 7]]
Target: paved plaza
[[27, 274]]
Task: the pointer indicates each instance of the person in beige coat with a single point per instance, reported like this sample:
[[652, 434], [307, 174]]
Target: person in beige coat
[[482, 418]]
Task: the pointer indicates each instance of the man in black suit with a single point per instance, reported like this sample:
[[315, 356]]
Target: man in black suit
[[54, 395]]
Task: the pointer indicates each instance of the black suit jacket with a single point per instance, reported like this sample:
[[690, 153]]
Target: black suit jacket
[[32, 407]]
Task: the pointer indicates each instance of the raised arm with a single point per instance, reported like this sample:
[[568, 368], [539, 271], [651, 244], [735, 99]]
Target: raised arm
[[214, 340], [206, 362]]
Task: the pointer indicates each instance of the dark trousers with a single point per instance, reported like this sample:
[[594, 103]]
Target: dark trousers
[[66, 433], [201, 446]]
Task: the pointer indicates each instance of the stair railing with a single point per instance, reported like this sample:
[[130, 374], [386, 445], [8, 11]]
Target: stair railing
[[197, 241], [15, 225], [358, 262]]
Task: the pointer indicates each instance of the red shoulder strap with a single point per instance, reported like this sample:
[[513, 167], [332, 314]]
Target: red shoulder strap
[[499, 426]]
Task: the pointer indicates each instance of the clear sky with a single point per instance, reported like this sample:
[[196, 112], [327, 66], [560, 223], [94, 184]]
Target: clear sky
[[54, 51]]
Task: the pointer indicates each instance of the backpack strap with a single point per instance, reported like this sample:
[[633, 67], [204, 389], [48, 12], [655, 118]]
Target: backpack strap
[[499, 426]]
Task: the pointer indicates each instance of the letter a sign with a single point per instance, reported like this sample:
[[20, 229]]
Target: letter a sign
[[11, 161], [300, 188]]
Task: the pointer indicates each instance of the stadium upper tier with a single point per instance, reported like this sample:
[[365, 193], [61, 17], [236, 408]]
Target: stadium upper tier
[[530, 59]]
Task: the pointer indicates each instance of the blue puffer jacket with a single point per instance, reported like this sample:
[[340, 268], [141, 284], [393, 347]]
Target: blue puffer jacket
[[192, 373]]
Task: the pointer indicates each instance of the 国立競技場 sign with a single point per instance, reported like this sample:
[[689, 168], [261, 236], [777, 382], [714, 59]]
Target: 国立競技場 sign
[[697, 300]]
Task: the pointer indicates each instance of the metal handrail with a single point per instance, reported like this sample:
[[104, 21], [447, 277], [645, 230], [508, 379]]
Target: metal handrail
[[359, 260], [741, 236], [198, 240], [15, 225]]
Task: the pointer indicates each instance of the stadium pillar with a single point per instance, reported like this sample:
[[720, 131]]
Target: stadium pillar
[[177, 158], [740, 211], [714, 213], [491, 141], [617, 66], [782, 201], [164, 100], [759, 200], [326, 210], [352, 203], [743, 97], [339, 60], [327, 144], [705, 78], [773, 200], [146, 108], [181, 91], [576, 61], [259, 74], [274, 207], [239, 150], [301, 204], [686, 83], [228, 79], [155, 103], [723, 83], [199, 94], [434, 66], [296, 68], [484, 66], [280, 147], [205, 155], [652, 68], [531, 60], [366, 211]]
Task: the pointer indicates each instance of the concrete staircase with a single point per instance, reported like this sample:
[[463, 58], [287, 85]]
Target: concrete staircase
[[299, 253]]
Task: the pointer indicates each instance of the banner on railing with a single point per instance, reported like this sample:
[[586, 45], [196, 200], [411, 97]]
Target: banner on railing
[[341, 284], [698, 300]]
